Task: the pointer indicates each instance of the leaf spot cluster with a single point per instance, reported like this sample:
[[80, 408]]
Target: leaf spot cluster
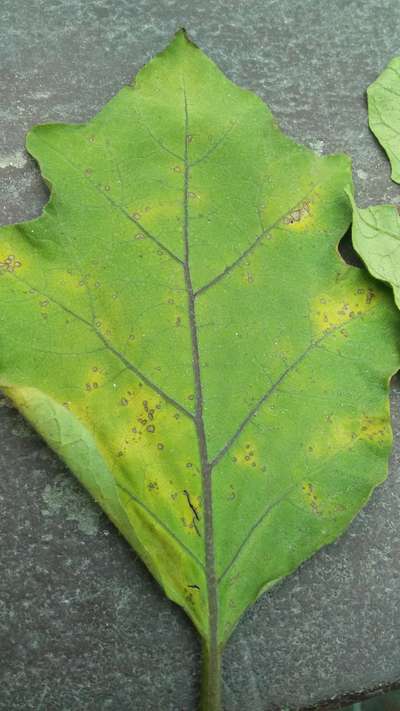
[[10, 264]]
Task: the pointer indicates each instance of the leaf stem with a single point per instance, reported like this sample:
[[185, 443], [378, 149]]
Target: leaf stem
[[210, 699]]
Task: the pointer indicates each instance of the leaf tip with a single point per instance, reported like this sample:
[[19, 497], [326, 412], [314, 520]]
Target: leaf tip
[[183, 33], [182, 38]]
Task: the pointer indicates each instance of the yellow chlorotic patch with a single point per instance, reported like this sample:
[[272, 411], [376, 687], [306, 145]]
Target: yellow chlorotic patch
[[310, 496], [329, 312], [103, 326], [113, 407], [247, 456], [140, 428], [341, 434], [96, 377], [167, 552], [192, 515], [70, 280], [143, 422], [150, 215], [375, 429], [10, 264], [300, 217], [318, 503], [160, 489]]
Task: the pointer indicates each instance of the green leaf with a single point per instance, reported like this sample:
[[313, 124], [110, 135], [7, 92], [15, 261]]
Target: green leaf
[[180, 328], [376, 238], [376, 229], [384, 113]]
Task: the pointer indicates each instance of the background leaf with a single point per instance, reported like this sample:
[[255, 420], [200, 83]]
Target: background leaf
[[376, 229], [179, 327], [384, 113]]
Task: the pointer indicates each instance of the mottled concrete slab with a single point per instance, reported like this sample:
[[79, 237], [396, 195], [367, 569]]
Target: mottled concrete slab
[[82, 624]]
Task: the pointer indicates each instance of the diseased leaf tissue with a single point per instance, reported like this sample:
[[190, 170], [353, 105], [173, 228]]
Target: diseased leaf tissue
[[180, 328]]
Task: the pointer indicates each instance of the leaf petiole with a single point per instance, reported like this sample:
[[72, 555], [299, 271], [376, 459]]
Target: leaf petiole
[[210, 699]]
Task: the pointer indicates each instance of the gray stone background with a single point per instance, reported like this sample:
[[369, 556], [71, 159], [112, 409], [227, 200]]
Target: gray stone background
[[82, 624]]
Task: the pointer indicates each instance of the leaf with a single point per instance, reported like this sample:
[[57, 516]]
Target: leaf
[[180, 328], [376, 229], [384, 113]]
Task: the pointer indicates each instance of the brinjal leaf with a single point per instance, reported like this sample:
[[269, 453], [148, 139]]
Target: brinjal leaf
[[376, 229], [384, 113], [180, 328]]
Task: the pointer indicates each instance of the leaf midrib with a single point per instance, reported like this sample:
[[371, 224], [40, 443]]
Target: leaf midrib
[[206, 468]]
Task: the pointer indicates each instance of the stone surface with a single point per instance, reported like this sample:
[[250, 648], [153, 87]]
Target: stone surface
[[82, 624]]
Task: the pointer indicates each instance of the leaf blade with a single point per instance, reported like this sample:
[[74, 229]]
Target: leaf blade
[[184, 239]]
